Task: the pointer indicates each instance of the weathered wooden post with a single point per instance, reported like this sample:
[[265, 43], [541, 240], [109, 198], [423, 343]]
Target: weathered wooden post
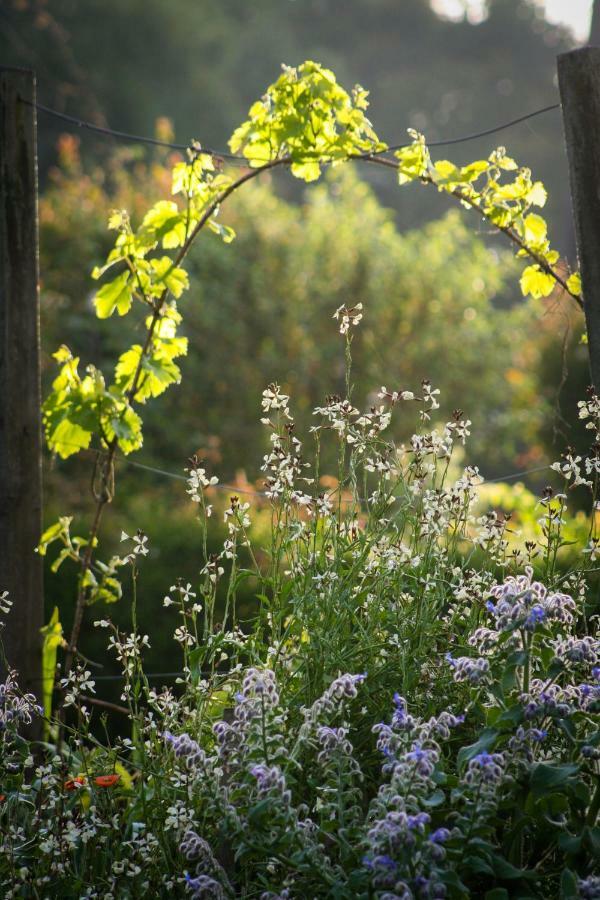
[[579, 83], [20, 430]]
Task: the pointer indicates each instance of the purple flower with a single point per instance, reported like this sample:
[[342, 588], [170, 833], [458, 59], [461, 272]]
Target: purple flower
[[536, 615], [439, 836]]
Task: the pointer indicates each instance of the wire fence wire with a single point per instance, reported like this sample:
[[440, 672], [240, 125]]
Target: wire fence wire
[[236, 158], [237, 489]]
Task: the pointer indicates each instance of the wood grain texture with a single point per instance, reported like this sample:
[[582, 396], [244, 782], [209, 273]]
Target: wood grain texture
[[579, 83], [20, 426]]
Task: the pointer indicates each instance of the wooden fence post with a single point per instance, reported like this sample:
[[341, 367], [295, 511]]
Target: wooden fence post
[[579, 84], [20, 426]]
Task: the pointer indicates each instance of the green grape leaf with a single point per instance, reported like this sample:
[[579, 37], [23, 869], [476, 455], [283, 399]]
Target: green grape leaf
[[413, 160], [536, 283], [535, 230], [69, 413], [226, 233], [307, 117], [54, 532], [116, 294], [120, 421], [163, 223], [574, 284], [170, 276], [52, 634], [158, 370]]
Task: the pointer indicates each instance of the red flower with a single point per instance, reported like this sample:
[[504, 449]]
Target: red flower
[[72, 783], [2, 798], [106, 780]]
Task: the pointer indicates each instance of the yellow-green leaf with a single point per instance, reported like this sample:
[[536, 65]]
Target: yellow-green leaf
[[53, 637], [116, 294], [536, 283], [574, 284]]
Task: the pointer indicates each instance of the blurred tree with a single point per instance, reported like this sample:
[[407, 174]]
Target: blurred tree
[[203, 63], [594, 40]]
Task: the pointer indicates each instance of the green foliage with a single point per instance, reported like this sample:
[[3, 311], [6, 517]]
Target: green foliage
[[307, 117], [79, 408], [506, 205], [156, 362], [52, 635]]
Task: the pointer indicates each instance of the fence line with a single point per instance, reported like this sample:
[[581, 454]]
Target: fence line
[[256, 493], [231, 487], [232, 157]]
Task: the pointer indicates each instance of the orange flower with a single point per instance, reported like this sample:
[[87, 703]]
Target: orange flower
[[2, 798], [72, 783], [106, 780]]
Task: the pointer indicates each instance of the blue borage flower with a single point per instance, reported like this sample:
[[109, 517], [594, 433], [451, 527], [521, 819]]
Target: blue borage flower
[[522, 601], [468, 669], [485, 769], [185, 748], [203, 887]]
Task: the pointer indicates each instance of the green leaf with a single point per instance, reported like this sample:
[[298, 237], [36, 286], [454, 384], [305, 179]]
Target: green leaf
[[574, 284], [536, 283], [122, 422], [568, 886], [172, 277], [165, 223], [259, 813], [570, 843], [70, 413], [536, 230], [537, 195], [505, 870], [226, 233], [116, 294], [157, 370], [435, 799], [307, 171], [413, 161], [544, 776], [52, 634], [53, 533], [307, 117], [486, 741]]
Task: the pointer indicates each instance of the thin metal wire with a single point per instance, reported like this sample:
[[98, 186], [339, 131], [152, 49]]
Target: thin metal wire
[[124, 135], [254, 493], [223, 154], [238, 490], [478, 134], [516, 474]]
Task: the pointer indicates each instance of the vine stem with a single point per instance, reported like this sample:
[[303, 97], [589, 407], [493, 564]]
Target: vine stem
[[510, 233], [104, 496]]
